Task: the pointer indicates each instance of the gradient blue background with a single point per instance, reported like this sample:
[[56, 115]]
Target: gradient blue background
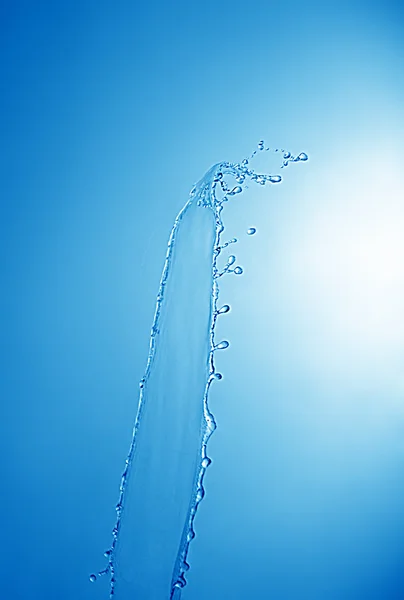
[[110, 112]]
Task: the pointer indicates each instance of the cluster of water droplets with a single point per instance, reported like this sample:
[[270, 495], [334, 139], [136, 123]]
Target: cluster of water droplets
[[212, 192], [287, 156]]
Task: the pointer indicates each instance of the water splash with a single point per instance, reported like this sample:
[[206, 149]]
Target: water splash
[[154, 522]]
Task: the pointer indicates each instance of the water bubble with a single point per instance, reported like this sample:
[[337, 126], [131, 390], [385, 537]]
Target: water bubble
[[238, 271], [236, 190], [206, 462], [225, 309], [302, 156], [224, 344], [261, 145], [275, 179], [251, 231], [93, 577]]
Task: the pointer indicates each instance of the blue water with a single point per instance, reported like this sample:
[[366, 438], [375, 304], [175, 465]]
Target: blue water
[[162, 483]]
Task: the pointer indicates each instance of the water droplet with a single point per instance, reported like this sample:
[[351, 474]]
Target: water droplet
[[181, 582], [244, 162], [185, 566], [224, 344], [302, 156], [199, 494], [218, 376], [107, 553], [218, 177], [238, 271], [261, 145], [275, 179], [231, 260], [236, 190], [225, 309], [191, 535], [286, 155], [251, 231], [240, 178], [93, 578], [206, 462], [260, 179]]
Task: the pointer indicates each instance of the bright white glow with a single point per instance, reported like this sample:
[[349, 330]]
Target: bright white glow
[[347, 267]]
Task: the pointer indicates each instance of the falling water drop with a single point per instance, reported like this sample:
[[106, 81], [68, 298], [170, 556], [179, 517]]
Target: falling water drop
[[302, 156], [251, 231], [238, 271], [93, 578]]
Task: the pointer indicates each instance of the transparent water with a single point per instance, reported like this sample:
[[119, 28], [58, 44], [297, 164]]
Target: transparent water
[[162, 482]]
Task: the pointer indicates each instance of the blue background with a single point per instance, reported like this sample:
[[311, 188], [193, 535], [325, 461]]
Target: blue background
[[110, 112]]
